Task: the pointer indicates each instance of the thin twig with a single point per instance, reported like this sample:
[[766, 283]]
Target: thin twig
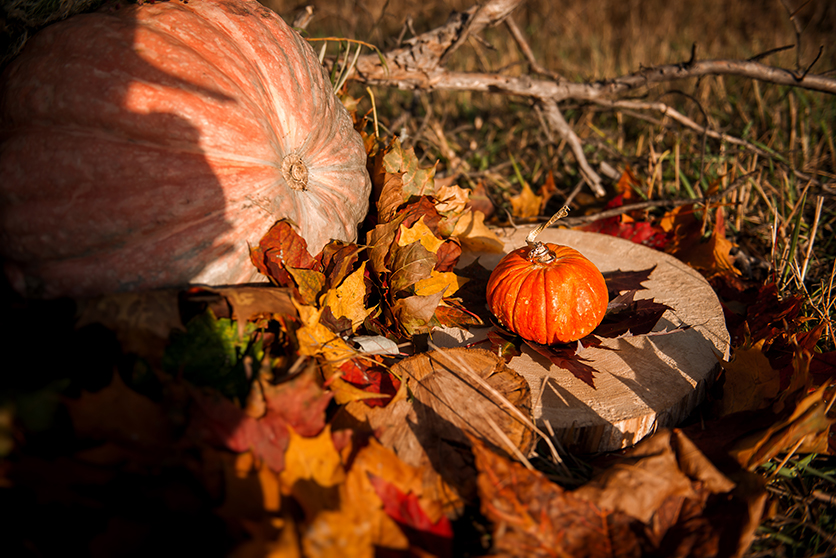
[[527, 52], [577, 221], [556, 120]]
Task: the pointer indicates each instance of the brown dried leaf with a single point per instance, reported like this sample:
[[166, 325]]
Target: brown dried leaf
[[534, 517], [808, 425], [547, 190], [688, 506], [750, 381], [448, 255], [338, 261], [640, 481], [249, 301], [711, 257], [409, 264], [413, 314], [481, 201], [416, 181], [452, 313], [391, 194]]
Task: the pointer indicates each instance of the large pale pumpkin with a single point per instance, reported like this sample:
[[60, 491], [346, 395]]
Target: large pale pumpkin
[[146, 146]]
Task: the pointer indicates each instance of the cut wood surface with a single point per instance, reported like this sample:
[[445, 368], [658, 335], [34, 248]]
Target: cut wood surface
[[641, 383]]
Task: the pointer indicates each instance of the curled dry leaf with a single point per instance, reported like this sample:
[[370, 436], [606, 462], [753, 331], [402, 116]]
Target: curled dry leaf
[[430, 429], [688, 507], [534, 517], [281, 247], [807, 426]]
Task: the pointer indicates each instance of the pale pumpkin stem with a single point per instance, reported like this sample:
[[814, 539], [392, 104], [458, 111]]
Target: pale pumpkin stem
[[532, 236], [538, 251], [295, 172]]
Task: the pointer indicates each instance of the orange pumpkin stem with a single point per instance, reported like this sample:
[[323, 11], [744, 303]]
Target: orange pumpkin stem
[[537, 250]]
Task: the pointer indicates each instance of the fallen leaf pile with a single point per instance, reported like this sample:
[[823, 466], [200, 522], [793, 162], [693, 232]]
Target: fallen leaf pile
[[312, 416]]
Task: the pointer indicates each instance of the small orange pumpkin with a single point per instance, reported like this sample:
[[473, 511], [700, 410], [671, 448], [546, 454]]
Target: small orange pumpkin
[[547, 293]]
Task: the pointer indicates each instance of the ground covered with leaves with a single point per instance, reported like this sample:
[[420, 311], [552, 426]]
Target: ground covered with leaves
[[313, 414]]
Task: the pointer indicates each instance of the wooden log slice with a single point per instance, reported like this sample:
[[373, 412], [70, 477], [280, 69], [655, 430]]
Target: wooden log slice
[[641, 383]]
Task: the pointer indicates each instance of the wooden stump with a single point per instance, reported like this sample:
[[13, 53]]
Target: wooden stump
[[642, 383]]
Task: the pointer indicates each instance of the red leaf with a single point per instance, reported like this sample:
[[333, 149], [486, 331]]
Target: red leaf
[[372, 378], [218, 420], [770, 309], [406, 510], [622, 226], [448, 255], [281, 247], [299, 403]]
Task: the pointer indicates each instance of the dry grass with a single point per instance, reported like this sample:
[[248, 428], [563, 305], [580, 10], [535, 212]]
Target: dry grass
[[473, 135]]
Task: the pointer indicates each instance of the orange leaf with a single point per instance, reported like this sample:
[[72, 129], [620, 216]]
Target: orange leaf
[[526, 204], [712, 256], [475, 236]]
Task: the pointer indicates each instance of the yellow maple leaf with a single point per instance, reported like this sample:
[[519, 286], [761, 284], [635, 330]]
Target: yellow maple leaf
[[316, 339], [474, 235], [313, 471], [347, 300], [526, 204], [439, 281], [419, 232], [345, 393]]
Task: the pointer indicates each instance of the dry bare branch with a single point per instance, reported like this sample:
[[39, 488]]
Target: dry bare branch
[[419, 64]]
